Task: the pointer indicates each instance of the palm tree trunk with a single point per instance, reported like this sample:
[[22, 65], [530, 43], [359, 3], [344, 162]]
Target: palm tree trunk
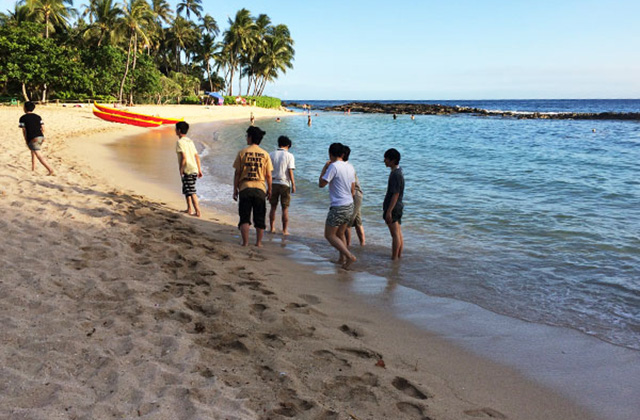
[[209, 76], [126, 71], [24, 93], [135, 60]]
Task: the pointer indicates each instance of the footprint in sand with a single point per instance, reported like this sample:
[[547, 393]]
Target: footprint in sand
[[485, 413], [412, 411], [310, 299], [350, 331], [361, 353], [401, 384]]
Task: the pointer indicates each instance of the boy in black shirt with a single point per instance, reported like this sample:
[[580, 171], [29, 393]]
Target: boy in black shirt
[[33, 131], [393, 206]]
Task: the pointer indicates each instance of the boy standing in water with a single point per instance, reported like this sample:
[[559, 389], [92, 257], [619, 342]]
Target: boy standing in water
[[283, 183], [189, 167], [356, 219], [33, 131], [393, 206], [252, 185], [341, 180]]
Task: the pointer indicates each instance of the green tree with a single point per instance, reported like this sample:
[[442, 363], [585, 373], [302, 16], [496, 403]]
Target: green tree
[[205, 53], [51, 12], [137, 17], [190, 6], [104, 17], [237, 40]]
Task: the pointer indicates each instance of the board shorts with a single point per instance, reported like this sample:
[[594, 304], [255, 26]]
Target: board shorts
[[252, 200], [356, 218], [396, 215], [339, 215], [189, 184], [35, 143], [280, 192]]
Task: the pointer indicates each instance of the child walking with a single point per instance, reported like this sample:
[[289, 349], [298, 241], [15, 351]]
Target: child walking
[[189, 166], [33, 132]]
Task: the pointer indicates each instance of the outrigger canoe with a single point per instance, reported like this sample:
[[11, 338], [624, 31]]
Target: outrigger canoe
[[125, 120], [130, 114]]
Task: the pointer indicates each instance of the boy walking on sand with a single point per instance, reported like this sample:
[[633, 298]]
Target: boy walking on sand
[[189, 166], [393, 206], [252, 185], [341, 180], [283, 183], [33, 132]]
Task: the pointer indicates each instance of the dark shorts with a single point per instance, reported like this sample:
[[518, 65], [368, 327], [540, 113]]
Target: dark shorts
[[252, 200], [280, 192], [396, 215], [35, 144], [189, 184]]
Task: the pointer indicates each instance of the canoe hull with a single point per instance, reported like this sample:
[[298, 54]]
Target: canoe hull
[[125, 120], [130, 114]]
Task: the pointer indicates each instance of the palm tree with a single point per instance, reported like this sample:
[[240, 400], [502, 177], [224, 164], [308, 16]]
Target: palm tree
[[19, 14], [277, 57], [209, 25], [237, 40], [162, 11], [103, 19], [181, 36], [206, 52], [189, 6], [51, 12], [137, 17]]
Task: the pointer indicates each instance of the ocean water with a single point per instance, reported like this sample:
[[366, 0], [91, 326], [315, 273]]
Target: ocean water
[[534, 219]]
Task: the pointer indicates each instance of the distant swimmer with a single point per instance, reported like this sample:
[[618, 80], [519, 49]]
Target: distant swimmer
[[252, 119], [309, 121], [593, 130], [413, 117], [278, 119], [395, 116]]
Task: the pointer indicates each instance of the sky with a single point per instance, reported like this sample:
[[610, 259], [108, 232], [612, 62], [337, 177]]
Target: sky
[[457, 49]]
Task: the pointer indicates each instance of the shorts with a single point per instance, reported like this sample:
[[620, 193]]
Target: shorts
[[356, 218], [35, 143], [396, 215], [252, 200], [281, 192], [339, 215], [189, 184]]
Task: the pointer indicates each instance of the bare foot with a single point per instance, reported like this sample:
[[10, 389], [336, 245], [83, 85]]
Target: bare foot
[[186, 212], [197, 214], [51, 174], [259, 244], [285, 233], [272, 231], [350, 260]]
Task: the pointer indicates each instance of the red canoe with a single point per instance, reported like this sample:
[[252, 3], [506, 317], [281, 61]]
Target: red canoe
[[125, 120], [130, 114]]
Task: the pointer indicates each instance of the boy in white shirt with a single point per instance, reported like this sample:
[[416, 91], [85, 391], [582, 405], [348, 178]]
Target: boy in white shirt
[[340, 177], [283, 183], [189, 166]]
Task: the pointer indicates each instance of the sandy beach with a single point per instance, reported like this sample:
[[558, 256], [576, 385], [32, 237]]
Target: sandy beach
[[116, 305]]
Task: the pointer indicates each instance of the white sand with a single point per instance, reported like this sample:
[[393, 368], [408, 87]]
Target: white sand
[[114, 305]]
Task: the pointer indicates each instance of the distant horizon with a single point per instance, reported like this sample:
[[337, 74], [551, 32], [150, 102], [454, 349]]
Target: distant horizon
[[484, 99]]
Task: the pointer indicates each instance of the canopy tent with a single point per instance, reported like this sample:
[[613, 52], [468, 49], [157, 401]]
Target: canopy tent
[[218, 98]]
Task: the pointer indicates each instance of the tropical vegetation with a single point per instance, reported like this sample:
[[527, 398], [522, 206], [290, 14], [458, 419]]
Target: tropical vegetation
[[137, 51]]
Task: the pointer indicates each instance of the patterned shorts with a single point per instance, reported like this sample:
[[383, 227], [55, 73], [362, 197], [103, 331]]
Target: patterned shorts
[[189, 184], [35, 144], [339, 215]]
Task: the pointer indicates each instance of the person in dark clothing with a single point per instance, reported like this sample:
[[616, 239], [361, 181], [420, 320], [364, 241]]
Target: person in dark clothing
[[33, 131], [393, 206]]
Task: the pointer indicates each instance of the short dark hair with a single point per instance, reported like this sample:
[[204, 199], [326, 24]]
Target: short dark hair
[[336, 149], [29, 106], [182, 127], [393, 155], [284, 141], [255, 134], [346, 153]]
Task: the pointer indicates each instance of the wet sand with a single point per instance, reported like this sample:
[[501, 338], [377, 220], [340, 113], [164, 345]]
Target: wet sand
[[116, 305]]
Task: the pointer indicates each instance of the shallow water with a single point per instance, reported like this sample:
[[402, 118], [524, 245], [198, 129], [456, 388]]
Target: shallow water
[[535, 219]]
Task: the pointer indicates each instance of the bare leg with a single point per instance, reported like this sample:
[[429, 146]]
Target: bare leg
[[331, 235], [347, 237], [272, 219], [196, 204], [244, 232], [396, 240], [360, 233], [189, 209], [285, 220], [33, 160], [259, 235], [42, 160]]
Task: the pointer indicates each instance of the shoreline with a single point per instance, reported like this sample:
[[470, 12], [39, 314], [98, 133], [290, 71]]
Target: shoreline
[[281, 318]]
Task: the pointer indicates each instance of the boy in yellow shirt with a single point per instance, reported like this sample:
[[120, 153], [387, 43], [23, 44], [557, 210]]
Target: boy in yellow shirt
[[189, 166]]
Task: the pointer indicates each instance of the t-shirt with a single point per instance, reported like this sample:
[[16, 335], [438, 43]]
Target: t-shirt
[[340, 175], [33, 124], [185, 146], [254, 164], [395, 185], [282, 161]]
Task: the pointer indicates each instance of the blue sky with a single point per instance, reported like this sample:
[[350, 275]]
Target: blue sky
[[402, 49]]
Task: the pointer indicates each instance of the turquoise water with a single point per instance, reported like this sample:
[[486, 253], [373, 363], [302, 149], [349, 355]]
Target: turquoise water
[[534, 219]]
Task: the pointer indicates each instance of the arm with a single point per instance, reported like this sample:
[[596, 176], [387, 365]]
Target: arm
[[293, 182], [24, 133], [321, 182], [199, 167], [392, 205], [236, 184], [182, 161], [269, 180], [353, 189]]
